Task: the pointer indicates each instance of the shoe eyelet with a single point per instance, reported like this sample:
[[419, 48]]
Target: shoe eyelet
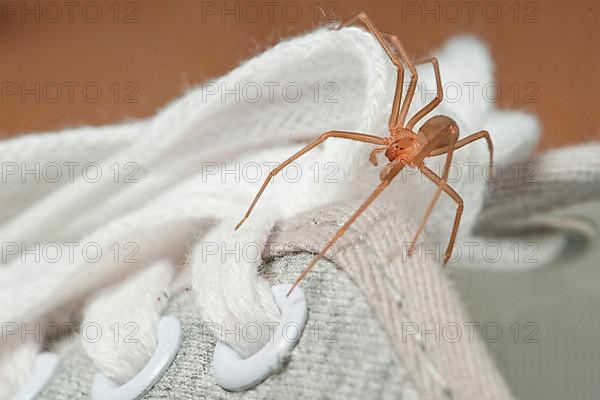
[[43, 369], [235, 373], [169, 341]]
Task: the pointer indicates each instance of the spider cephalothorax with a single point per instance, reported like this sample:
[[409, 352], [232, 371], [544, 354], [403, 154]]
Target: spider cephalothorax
[[403, 147]]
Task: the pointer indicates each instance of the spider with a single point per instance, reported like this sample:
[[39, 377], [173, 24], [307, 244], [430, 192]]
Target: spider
[[402, 147]]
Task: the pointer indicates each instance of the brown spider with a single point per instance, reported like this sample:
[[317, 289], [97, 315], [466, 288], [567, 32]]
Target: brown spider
[[438, 135]]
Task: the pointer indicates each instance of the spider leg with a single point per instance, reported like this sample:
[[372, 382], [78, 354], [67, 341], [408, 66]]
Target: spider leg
[[373, 155], [400, 111], [459, 209], [397, 119], [469, 139], [438, 97], [453, 137], [361, 137], [393, 172], [366, 21]]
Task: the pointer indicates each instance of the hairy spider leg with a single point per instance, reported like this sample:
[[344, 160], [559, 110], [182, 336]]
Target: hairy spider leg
[[452, 133], [469, 139], [361, 137], [438, 96], [382, 185], [398, 114], [459, 209]]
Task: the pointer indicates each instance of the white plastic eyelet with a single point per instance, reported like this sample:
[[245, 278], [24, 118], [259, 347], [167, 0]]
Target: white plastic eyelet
[[169, 339], [43, 369], [234, 373]]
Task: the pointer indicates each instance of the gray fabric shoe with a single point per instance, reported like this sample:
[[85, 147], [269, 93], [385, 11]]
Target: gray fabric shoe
[[354, 355], [343, 354]]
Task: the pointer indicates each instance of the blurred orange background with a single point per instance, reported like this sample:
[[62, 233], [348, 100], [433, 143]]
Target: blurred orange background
[[114, 60]]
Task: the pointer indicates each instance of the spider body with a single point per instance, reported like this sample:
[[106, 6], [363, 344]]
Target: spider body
[[403, 146], [434, 126]]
